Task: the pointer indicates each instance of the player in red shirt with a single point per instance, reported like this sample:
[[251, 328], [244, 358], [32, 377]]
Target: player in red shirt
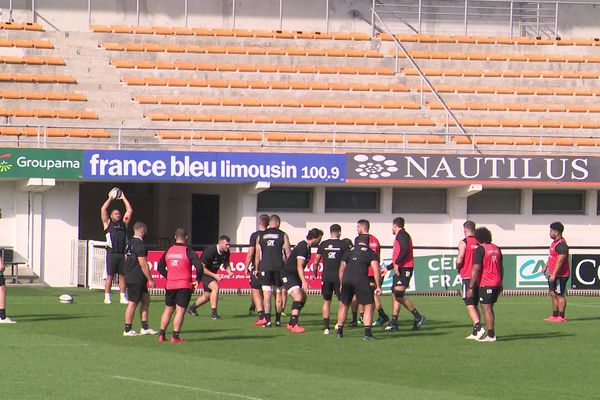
[[464, 266], [176, 265], [403, 264], [487, 273], [558, 272]]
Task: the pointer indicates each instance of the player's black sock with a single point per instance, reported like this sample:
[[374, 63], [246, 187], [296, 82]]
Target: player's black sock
[[382, 313], [261, 314], [268, 316], [354, 317], [368, 330], [193, 307], [555, 313], [252, 307], [561, 314], [175, 335], [326, 323], [127, 327], [2, 313], [145, 325], [361, 316], [491, 333], [395, 319], [416, 314], [277, 317], [213, 312], [340, 330], [476, 328], [294, 320], [163, 332]]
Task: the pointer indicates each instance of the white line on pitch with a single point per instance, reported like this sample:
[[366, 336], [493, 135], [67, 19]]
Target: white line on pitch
[[193, 388]]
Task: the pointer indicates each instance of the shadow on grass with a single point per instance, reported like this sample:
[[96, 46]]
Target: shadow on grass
[[584, 319], [234, 337], [529, 336], [52, 317]]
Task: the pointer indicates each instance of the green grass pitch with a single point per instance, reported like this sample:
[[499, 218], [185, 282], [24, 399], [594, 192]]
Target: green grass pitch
[[76, 351]]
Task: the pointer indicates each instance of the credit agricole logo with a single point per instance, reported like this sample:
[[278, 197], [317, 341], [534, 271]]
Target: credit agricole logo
[[5, 164]]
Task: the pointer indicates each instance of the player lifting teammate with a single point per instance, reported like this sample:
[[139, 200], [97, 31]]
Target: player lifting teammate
[[257, 297], [137, 279], [213, 257], [487, 273], [176, 265], [464, 265], [115, 230], [558, 272], [272, 251], [330, 252], [293, 278], [403, 264], [354, 278]]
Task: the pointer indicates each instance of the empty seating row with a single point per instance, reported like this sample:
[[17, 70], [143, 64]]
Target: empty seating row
[[526, 140], [33, 44], [515, 40], [489, 122], [21, 26], [263, 68], [32, 60], [54, 132], [277, 34], [272, 102], [239, 50], [36, 78], [35, 95], [510, 90], [518, 107], [479, 56], [43, 113], [480, 73], [288, 119], [306, 137]]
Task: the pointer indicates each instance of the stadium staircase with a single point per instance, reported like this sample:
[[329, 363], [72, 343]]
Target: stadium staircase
[[238, 87]]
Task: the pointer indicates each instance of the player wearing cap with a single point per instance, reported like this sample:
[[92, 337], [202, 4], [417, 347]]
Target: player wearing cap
[[354, 278], [558, 272], [403, 264], [115, 230], [176, 265], [213, 257], [330, 252], [292, 276], [464, 265], [487, 273], [257, 297]]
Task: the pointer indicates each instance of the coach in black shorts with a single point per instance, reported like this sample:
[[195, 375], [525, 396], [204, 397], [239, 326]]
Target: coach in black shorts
[[115, 231], [330, 252], [137, 279], [355, 282], [213, 257]]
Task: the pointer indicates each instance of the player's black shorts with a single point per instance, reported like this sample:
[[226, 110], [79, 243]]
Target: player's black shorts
[[254, 281], [115, 264], [135, 291], [180, 297], [473, 301], [329, 288], [2, 279], [403, 279], [489, 294], [290, 280], [206, 280], [359, 288], [270, 278], [559, 286]]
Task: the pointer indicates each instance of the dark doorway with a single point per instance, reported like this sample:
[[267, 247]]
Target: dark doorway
[[205, 218]]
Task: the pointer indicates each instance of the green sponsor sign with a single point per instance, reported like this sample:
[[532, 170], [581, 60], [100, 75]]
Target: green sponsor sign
[[41, 163], [438, 273]]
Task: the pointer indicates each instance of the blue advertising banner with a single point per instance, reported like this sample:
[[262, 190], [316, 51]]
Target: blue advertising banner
[[215, 167]]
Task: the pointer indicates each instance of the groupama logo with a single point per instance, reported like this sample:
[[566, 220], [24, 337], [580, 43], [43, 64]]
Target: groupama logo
[[4, 164], [529, 271]]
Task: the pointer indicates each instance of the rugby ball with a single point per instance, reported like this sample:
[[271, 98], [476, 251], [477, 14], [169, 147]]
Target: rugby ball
[[65, 299], [115, 193]]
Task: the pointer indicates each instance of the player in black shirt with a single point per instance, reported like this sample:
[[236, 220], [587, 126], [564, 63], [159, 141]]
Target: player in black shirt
[[330, 252], [354, 278], [257, 297], [293, 278], [272, 251], [213, 257], [137, 279], [115, 230]]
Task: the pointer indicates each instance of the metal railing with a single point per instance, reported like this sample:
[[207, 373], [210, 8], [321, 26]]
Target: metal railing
[[477, 17], [143, 138]]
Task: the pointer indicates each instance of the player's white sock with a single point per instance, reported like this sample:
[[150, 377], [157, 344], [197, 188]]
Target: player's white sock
[[107, 296], [123, 296]]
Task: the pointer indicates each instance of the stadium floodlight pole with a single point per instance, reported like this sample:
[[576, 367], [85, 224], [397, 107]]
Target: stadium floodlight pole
[[373, 20], [185, 12], [10, 10], [280, 15], [420, 14], [556, 20], [137, 11], [32, 10], [326, 16], [89, 12], [512, 10], [233, 14], [537, 20], [425, 79], [466, 15]]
